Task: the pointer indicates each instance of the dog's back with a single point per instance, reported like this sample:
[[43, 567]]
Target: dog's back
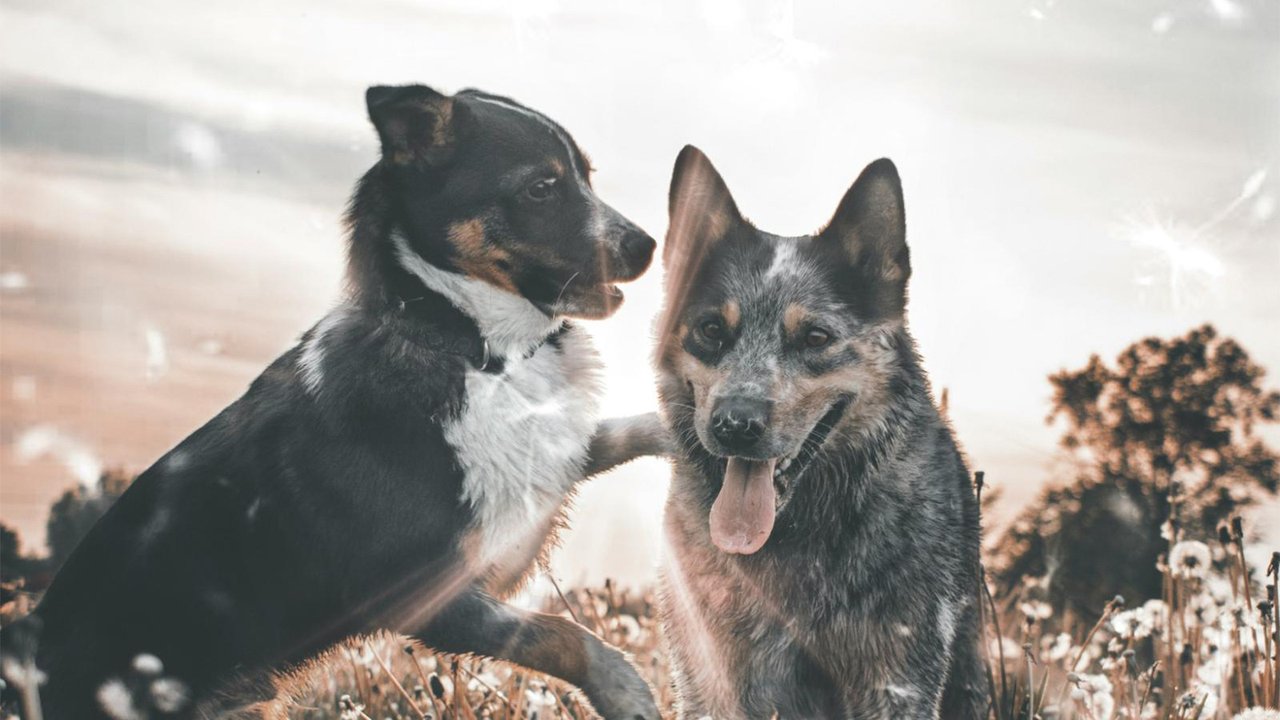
[[822, 528]]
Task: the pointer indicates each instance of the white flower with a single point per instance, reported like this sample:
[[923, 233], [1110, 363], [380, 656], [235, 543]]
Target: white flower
[[1096, 691], [1036, 610], [1199, 698], [1005, 646], [348, 709], [1093, 683], [21, 674], [1189, 559], [1219, 589], [1136, 623], [117, 702], [169, 695], [1058, 647], [148, 664], [1204, 607], [1257, 713], [539, 698], [1213, 668]]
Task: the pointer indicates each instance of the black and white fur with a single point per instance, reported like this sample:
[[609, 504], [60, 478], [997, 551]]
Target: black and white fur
[[400, 469]]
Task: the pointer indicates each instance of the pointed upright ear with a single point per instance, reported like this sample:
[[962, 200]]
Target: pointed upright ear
[[870, 230], [416, 124], [701, 209]]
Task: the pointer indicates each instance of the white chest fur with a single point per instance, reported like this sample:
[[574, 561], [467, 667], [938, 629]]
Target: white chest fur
[[521, 440]]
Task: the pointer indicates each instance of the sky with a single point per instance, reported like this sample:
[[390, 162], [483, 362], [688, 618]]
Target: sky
[[1078, 175]]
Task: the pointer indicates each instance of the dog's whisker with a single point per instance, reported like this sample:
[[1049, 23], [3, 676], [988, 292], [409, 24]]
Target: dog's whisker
[[565, 287]]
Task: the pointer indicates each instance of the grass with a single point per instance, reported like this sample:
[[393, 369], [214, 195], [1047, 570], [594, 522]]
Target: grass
[[384, 677], [1198, 653], [1206, 650]]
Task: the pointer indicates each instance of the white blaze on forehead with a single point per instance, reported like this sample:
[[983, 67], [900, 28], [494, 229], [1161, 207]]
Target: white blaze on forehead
[[599, 217], [545, 122], [785, 260]]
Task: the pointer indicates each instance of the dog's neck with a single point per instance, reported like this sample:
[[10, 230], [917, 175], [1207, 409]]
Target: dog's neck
[[509, 323]]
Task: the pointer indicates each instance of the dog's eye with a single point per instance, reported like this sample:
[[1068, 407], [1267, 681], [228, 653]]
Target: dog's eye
[[541, 190], [816, 338], [712, 330]]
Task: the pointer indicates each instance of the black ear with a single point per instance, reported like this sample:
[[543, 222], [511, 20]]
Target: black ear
[[870, 228], [701, 209], [415, 123]]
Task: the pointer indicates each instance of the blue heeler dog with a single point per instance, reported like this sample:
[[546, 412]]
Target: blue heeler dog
[[823, 532]]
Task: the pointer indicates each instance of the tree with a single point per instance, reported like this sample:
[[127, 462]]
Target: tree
[[12, 563], [77, 510], [1164, 444]]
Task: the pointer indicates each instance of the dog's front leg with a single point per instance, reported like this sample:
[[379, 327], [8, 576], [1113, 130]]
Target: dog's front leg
[[477, 623], [621, 440]]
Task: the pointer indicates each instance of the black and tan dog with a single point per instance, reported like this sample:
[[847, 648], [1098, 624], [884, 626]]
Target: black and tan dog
[[822, 530], [400, 469]]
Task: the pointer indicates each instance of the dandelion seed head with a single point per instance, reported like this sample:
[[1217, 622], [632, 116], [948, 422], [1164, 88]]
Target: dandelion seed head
[[349, 709], [169, 695], [21, 674], [1257, 713], [1036, 610], [1200, 697], [148, 664], [1190, 559], [1134, 624], [117, 702]]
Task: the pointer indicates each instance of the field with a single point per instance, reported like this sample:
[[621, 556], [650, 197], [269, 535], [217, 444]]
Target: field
[[1195, 654], [1198, 653]]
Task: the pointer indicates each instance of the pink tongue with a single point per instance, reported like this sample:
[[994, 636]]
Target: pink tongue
[[742, 516]]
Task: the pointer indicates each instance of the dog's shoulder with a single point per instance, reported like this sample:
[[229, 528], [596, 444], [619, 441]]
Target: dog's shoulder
[[358, 361]]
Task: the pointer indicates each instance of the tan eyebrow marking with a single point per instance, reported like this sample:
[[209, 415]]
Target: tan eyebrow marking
[[793, 317], [732, 313]]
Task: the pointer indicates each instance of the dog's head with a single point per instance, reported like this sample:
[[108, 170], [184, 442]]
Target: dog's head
[[496, 191], [771, 345]]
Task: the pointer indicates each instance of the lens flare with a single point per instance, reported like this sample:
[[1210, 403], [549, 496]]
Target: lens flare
[[1189, 265]]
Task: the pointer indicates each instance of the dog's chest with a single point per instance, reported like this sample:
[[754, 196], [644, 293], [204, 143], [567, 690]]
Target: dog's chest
[[521, 440]]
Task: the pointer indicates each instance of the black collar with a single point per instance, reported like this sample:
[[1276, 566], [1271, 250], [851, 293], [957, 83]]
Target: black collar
[[495, 364], [471, 345]]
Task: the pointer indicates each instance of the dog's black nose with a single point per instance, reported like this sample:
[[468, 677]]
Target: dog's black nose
[[738, 423], [637, 248]]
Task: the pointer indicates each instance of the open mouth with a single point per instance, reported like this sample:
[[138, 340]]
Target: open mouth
[[743, 513], [598, 301], [590, 302]]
